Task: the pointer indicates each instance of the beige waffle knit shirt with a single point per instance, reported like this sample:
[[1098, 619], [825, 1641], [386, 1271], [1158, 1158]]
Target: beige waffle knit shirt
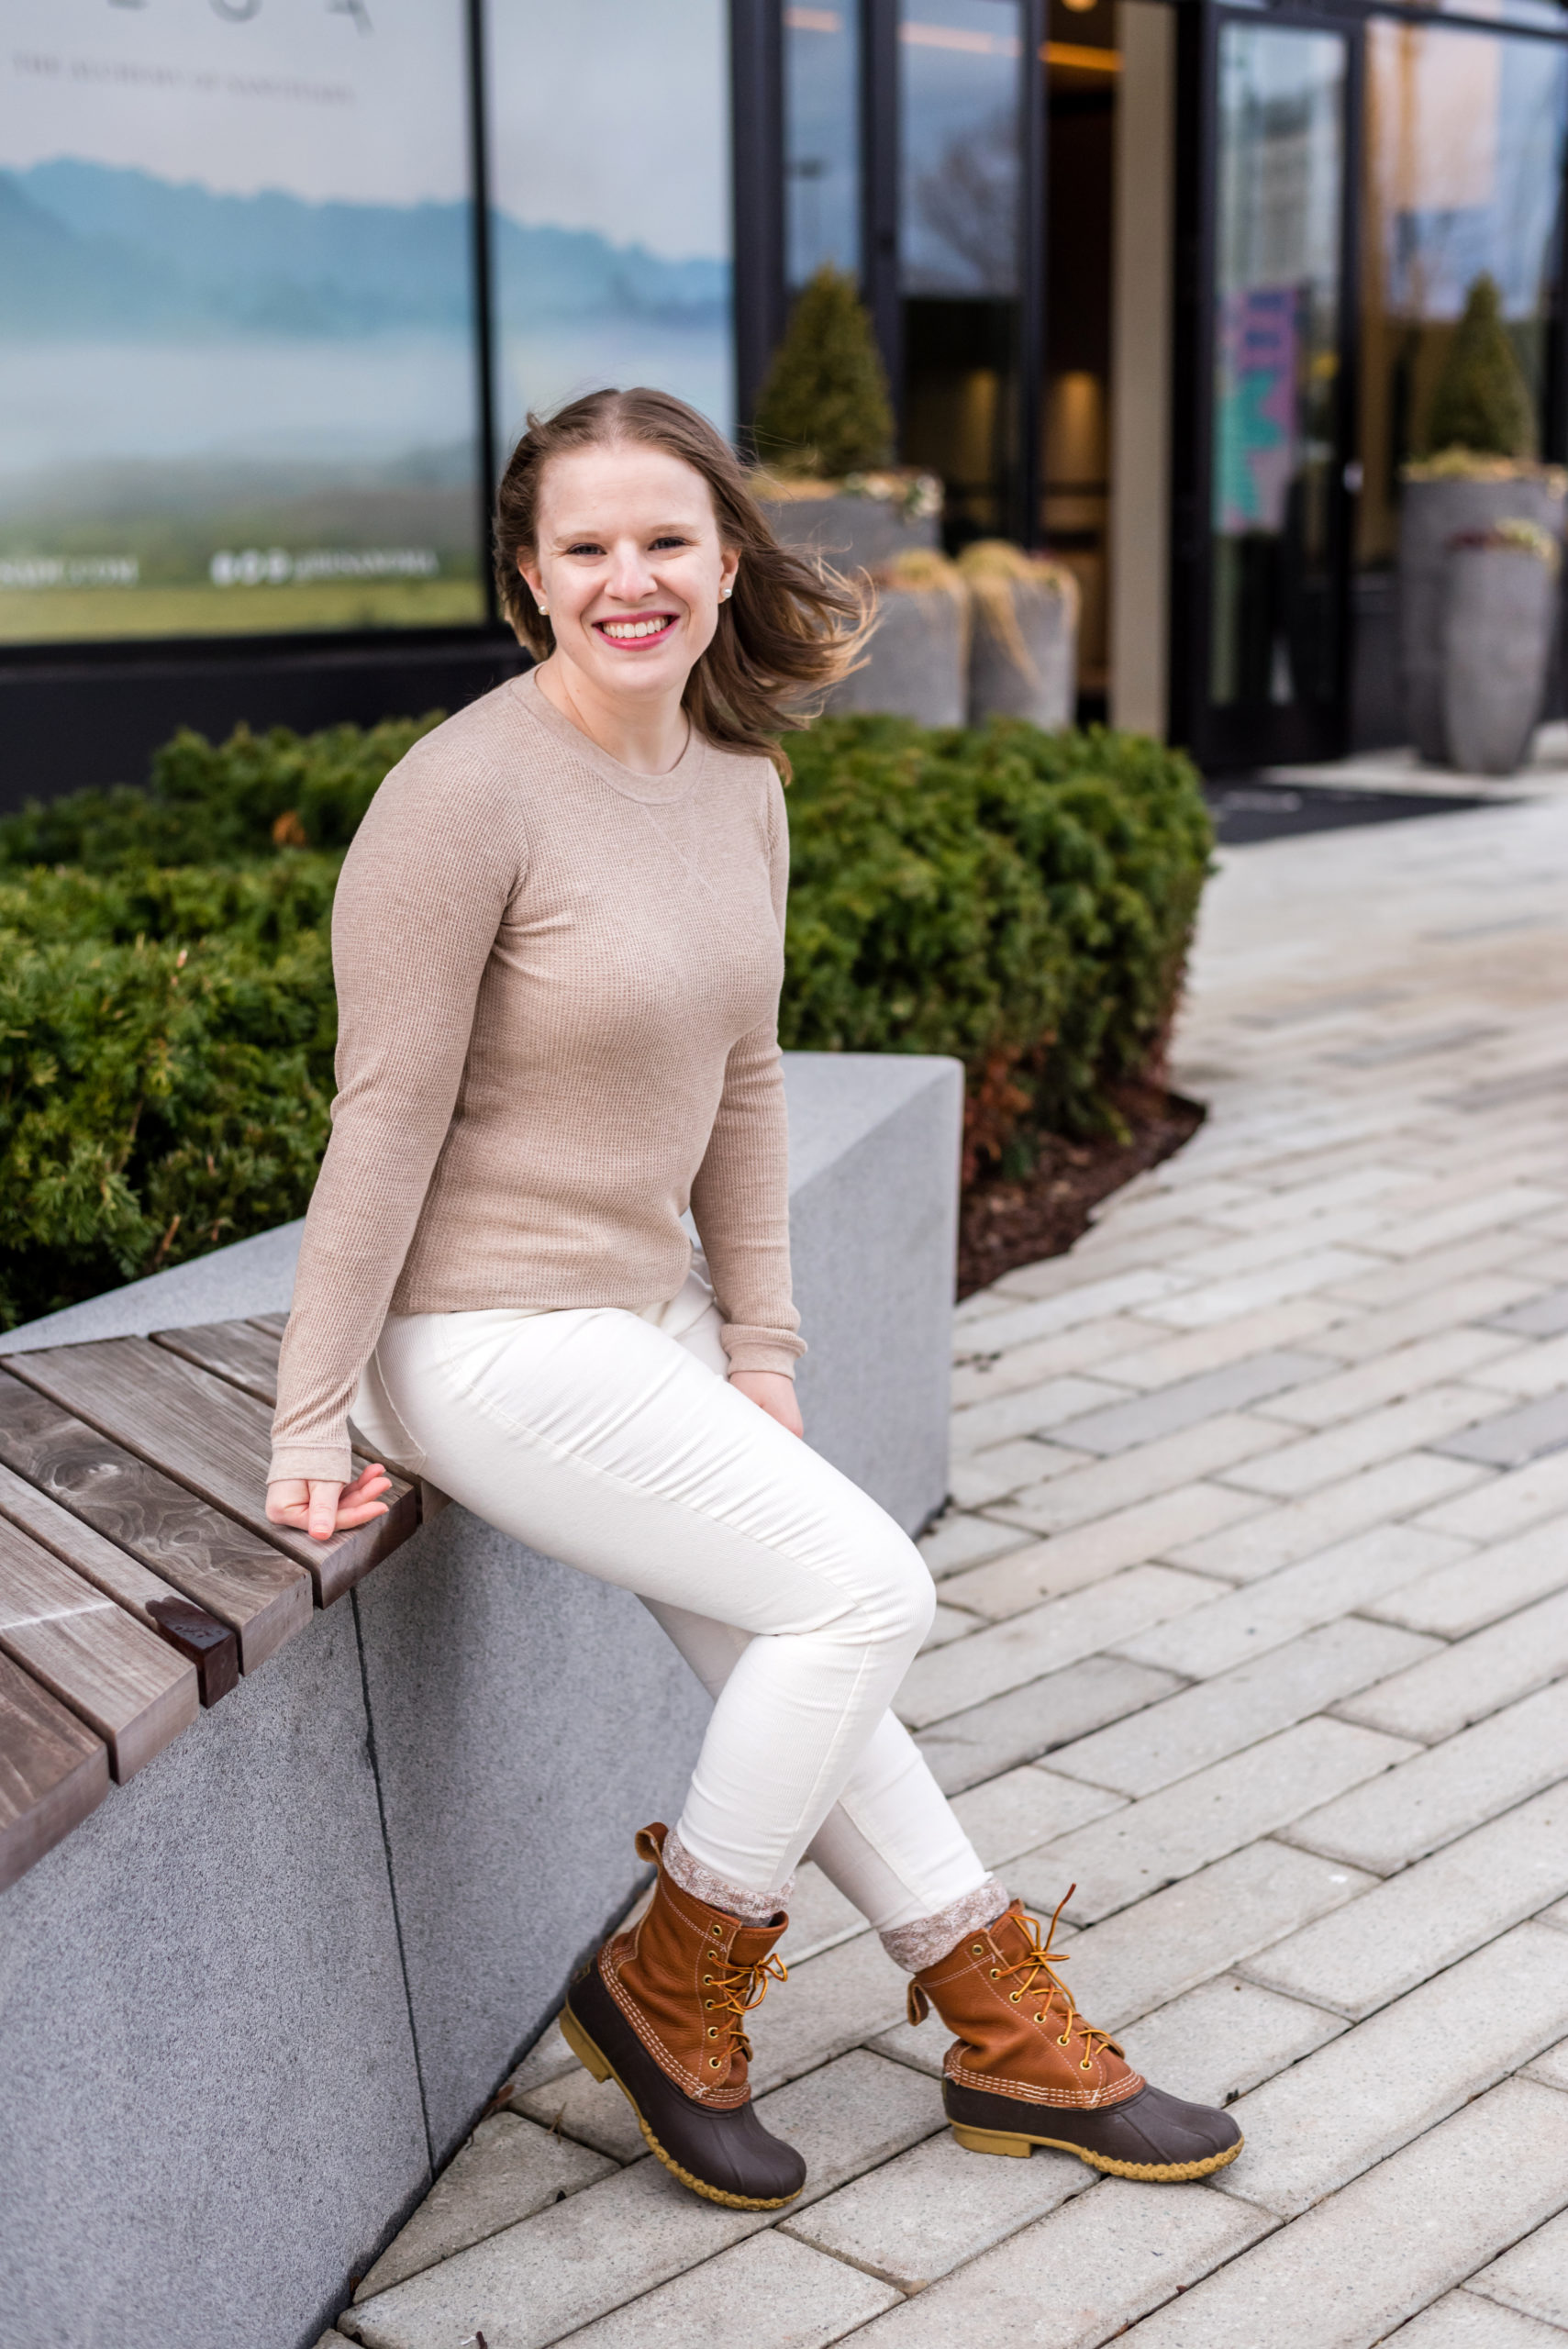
[[558, 989]]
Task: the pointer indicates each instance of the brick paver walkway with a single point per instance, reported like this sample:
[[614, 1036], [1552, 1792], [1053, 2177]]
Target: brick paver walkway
[[1254, 1625]]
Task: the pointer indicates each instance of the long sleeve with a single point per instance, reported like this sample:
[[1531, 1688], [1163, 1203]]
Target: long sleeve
[[741, 1197], [422, 895]]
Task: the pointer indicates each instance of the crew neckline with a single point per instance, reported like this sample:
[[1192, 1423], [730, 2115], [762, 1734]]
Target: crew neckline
[[652, 789]]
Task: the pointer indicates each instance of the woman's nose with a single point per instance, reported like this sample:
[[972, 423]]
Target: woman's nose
[[631, 575]]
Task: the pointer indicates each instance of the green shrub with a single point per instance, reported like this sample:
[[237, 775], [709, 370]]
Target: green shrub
[[824, 408], [1481, 401], [1022, 900]]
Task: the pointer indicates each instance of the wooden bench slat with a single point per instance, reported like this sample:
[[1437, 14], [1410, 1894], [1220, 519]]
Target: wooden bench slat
[[247, 1357], [209, 1437], [122, 1679], [53, 1771], [251, 1587], [190, 1631], [274, 1323]]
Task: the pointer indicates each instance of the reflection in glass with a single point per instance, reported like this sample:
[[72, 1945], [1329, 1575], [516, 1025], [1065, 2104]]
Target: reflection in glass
[[1276, 365], [822, 140], [239, 388], [1465, 138], [960, 65], [609, 171]]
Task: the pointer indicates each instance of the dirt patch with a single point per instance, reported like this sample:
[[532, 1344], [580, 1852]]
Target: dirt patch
[[1004, 1224]]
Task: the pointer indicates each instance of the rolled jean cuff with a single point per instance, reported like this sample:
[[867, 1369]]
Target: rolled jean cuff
[[929, 1939], [717, 1892]]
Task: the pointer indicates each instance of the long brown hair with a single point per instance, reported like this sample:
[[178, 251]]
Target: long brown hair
[[792, 627]]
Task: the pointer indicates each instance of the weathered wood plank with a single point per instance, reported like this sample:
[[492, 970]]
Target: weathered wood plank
[[53, 1771], [209, 1437], [261, 1595], [236, 1351], [190, 1631], [122, 1679], [273, 1323]]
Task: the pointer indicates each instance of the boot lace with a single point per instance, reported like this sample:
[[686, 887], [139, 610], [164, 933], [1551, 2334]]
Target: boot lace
[[737, 1991], [1038, 1965]]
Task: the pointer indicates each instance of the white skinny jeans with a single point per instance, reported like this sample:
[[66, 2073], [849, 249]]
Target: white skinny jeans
[[612, 1440]]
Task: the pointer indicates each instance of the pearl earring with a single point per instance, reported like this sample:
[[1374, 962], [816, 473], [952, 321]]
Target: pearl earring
[[542, 605], [724, 595]]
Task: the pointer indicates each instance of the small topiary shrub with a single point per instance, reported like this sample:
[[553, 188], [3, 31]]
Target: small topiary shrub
[[825, 408], [1481, 401], [1023, 900]]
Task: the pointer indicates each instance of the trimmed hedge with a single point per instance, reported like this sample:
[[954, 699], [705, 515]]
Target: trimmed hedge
[[1020, 899]]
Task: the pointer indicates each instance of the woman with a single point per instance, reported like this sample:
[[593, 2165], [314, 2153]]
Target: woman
[[558, 945]]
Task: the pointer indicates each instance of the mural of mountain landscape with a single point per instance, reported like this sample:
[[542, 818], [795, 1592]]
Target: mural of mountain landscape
[[238, 412]]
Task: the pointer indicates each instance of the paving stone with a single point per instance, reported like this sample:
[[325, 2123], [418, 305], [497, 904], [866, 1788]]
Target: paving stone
[[1196, 1309], [1442, 1793], [579, 2259], [1126, 1537], [1356, 2100], [1046, 1639], [1102, 1257], [1029, 1410], [1419, 1423], [979, 1375], [1202, 1725], [1491, 1210], [1436, 1913], [1545, 1316], [1397, 1285], [831, 2003], [1483, 1588], [592, 2111], [1474, 1678], [1462, 2320], [1515, 1436], [820, 1915], [1168, 1409], [1020, 1324], [791, 2298], [547, 2059], [979, 1479], [1356, 1336], [1074, 2280], [1451, 1353], [1263, 1615], [1280, 1536], [1537, 1369], [1148, 1956], [916, 2044], [1290, 1239], [950, 1623], [1533, 2276], [1160, 1360], [1215, 2043], [935, 2207], [1144, 1845], [1499, 1505], [508, 2169], [1080, 1493], [1421, 2210], [1023, 1808], [1030, 1721], [1553, 2067], [957, 1540], [1293, 1206]]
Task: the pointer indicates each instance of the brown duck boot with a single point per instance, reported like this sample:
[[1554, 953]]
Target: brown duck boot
[[661, 2012], [1027, 2070]]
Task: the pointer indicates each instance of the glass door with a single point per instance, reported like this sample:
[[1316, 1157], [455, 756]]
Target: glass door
[[1273, 674]]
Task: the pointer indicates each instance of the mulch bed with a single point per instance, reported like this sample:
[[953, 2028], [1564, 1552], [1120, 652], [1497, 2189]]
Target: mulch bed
[[1004, 1224]]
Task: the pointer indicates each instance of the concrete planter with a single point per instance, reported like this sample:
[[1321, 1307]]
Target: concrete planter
[[917, 663], [1433, 513], [1023, 661], [851, 533], [1500, 611]]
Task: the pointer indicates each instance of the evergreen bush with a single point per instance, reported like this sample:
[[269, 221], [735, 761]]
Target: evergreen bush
[[1481, 401], [1020, 899], [824, 408]]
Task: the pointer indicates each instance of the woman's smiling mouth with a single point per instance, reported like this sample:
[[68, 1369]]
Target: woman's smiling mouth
[[646, 630]]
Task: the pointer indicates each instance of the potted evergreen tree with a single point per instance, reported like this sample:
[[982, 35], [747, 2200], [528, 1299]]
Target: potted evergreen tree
[[823, 432], [1482, 474]]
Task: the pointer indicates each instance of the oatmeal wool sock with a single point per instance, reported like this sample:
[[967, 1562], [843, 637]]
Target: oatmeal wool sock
[[715, 1892]]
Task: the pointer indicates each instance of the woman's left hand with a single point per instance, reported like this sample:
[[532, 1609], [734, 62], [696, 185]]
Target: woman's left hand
[[771, 1392]]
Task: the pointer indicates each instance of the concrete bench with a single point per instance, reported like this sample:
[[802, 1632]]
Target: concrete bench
[[254, 1999]]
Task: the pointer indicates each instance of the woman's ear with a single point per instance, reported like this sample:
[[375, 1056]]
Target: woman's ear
[[530, 571], [728, 564]]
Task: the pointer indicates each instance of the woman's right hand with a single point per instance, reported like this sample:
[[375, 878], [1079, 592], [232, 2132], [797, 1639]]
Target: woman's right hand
[[323, 1509]]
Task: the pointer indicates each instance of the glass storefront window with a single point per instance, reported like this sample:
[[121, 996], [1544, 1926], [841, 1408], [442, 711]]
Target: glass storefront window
[[1281, 190], [238, 381], [609, 139], [1465, 162], [961, 69], [822, 140]]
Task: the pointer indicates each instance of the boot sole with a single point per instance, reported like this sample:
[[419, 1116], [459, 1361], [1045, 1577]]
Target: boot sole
[[1021, 2146], [600, 2066]]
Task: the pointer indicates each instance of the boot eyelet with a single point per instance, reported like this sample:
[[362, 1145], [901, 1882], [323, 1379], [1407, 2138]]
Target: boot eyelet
[[1014, 1996], [713, 2063], [1084, 2065], [713, 2031], [996, 1974], [707, 1980], [717, 1932], [1039, 2018], [1065, 2037], [978, 1950]]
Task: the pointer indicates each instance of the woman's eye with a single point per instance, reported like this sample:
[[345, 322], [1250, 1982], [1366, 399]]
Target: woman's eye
[[585, 546], [669, 543]]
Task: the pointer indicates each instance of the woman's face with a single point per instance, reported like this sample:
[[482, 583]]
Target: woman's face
[[629, 565]]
